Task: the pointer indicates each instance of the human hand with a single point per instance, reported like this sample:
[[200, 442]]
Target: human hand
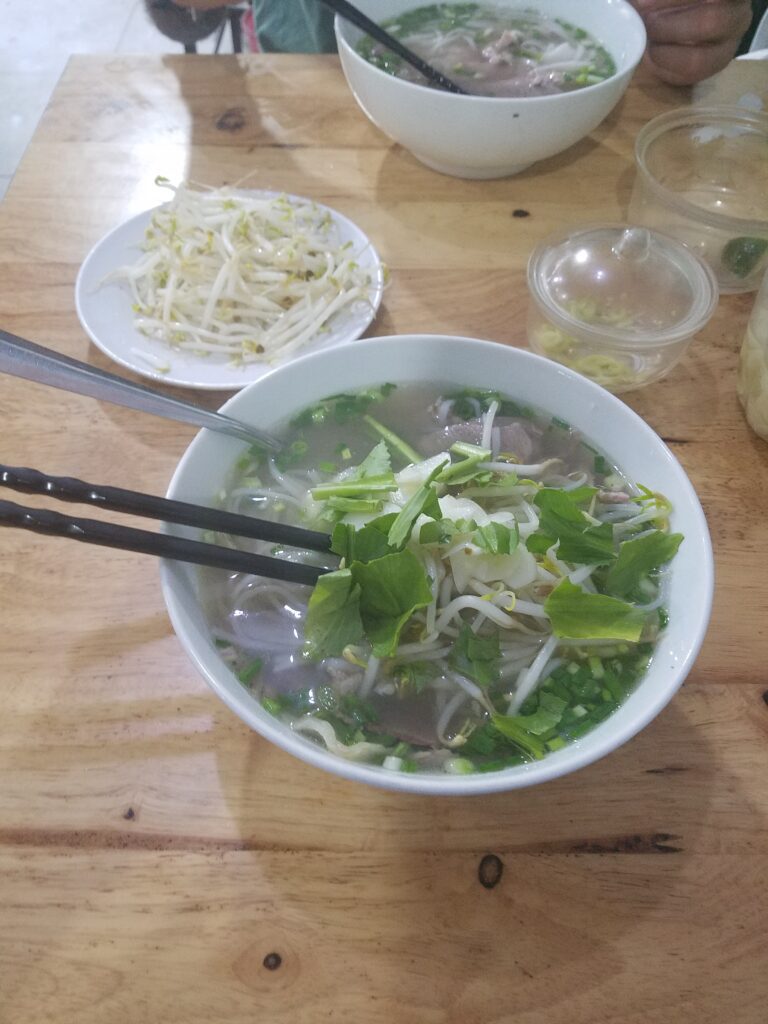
[[692, 39]]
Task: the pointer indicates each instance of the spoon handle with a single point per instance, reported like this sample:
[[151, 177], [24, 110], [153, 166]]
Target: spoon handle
[[22, 358]]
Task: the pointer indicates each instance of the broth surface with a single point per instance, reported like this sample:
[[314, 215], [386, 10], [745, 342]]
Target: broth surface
[[494, 51]]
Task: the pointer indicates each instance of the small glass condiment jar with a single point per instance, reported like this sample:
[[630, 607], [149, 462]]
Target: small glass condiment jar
[[618, 304], [702, 176], [753, 365]]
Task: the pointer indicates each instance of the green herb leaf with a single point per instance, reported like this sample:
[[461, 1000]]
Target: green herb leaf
[[638, 558], [376, 463], [547, 716], [477, 657], [343, 407], [561, 520], [412, 676], [248, 673], [578, 615], [742, 255], [355, 488], [466, 468], [391, 589], [496, 538], [440, 531], [394, 440], [333, 616], [424, 500], [363, 544], [345, 505], [509, 726]]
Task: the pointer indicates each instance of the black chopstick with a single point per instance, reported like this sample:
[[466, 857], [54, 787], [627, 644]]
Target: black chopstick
[[116, 499], [91, 531], [362, 21]]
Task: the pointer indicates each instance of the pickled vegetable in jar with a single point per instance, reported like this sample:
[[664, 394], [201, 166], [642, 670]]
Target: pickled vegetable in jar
[[752, 383]]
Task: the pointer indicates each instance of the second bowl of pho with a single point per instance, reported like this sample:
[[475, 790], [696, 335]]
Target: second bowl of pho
[[539, 78], [519, 581]]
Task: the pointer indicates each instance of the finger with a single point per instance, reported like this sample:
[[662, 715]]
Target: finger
[[711, 22], [685, 65]]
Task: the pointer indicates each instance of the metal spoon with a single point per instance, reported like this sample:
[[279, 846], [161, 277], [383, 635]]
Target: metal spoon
[[362, 21], [22, 358]]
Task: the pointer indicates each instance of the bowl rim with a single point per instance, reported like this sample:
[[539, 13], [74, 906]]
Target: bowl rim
[[249, 710], [659, 125], [341, 24], [620, 338]]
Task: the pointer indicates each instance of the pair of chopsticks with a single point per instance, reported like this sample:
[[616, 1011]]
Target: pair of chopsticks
[[362, 21], [116, 499]]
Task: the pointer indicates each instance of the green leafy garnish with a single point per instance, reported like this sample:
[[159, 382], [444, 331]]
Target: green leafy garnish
[[423, 501], [581, 541], [742, 255], [496, 538], [412, 676], [466, 468], [393, 440], [509, 726], [366, 543], [391, 589], [333, 616], [637, 558], [547, 716], [248, 673], [376, 463], [355, 487], [578, 615], [466, 403], [342, 407], [477, 657]]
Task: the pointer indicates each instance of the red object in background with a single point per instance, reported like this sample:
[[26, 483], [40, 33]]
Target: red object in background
[[249, 32]]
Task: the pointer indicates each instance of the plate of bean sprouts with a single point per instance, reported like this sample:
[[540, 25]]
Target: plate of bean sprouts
[[217, 286]]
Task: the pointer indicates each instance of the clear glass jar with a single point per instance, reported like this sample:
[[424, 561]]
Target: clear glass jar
[[702, 176], [753, 365], [618, 304]]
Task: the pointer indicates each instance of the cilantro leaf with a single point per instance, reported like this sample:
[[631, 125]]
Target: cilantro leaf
[[578, 615], [477, 657], [333, 616], [547, 716], [637, 558], [376, 463]]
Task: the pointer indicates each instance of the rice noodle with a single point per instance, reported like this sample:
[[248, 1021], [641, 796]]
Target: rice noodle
[[530, 677]]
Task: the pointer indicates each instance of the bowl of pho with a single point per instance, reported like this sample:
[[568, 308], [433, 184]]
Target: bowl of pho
[[539, 77], [520, 575]]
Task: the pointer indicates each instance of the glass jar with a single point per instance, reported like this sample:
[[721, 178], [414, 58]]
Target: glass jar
[[618, 304], [753, 365]]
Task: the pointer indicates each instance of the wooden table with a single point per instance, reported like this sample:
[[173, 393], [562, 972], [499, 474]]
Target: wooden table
[[159, 861]]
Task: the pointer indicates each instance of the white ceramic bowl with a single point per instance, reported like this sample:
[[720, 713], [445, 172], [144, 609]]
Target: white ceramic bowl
[[464, 361], [490, 137]]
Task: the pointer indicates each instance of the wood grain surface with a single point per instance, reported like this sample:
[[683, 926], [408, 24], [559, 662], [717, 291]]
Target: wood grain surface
[[159, 862]]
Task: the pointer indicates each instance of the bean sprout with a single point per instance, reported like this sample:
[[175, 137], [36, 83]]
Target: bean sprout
[[249, 277]]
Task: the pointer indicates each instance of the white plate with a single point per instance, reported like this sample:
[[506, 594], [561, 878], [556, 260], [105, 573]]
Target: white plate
[[106, 312]]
